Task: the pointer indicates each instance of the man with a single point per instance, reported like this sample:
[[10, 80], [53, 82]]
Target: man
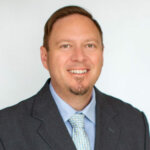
[[72, 52]]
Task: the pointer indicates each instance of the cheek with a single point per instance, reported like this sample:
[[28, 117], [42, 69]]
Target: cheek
[[57, 61], [97, 60]]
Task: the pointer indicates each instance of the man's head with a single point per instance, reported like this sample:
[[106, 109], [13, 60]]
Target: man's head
[[72, 51], [63, 12]]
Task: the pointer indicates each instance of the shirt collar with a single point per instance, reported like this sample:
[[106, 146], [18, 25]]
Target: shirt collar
[[67, 111]]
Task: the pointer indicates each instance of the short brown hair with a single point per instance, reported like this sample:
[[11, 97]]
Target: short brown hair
[[63, 12]]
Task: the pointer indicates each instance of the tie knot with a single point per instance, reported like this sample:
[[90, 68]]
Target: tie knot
[[77, 121]]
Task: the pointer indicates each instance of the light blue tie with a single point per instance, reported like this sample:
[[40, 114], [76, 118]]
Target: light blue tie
[[79, 136]]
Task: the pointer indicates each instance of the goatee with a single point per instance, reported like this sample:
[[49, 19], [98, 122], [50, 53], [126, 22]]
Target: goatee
[[79, 91]]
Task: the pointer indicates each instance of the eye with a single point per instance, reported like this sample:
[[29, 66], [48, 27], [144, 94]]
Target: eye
[[90, 45], [65, 46]]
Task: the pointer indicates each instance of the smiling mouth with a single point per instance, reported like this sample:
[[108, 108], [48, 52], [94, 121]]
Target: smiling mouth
[[75, 71]]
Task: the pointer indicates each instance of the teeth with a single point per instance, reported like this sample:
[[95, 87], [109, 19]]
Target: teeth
[[78, 71]]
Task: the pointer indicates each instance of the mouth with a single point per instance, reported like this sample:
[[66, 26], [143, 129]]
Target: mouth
[[78, 71]]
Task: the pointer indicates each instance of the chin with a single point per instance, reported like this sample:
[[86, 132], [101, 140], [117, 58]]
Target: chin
[[80, 90]]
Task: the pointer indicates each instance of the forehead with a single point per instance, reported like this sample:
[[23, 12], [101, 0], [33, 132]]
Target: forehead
[[74, 25], [72, 19]]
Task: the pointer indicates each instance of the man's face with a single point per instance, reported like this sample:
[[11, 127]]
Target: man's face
[[75, 55]]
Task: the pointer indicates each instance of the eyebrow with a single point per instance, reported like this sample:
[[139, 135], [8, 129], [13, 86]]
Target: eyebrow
[[92, 40], [69, 40], [63, 41]]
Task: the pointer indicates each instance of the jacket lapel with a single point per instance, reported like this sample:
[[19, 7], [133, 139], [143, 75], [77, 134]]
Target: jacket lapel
[[54, 132], [107, 130], [52, 128]]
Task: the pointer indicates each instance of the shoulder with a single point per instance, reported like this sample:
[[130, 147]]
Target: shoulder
[[131, 121], [125, 112], [23, 108], [16, 119], [10, 114], [117, 104]]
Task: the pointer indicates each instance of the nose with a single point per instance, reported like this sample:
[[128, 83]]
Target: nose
[[78, 54]]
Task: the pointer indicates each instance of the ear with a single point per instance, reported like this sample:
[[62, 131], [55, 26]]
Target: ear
[[102, 55], [44, 57]]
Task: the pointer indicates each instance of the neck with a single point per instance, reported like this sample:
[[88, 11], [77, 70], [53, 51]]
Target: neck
[[78, 102]]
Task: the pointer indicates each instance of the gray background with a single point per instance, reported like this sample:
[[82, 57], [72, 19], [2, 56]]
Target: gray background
[[126, 27]]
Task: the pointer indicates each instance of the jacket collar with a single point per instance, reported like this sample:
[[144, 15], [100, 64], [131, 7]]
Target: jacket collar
[[107, 129], [52, 129], [54, 132]]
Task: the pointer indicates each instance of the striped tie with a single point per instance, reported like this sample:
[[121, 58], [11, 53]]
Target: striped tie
[[79, 136]]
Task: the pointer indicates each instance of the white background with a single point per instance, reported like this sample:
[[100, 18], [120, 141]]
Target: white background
[[126, 27]]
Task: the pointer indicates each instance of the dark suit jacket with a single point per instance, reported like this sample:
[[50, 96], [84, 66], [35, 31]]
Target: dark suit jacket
[[35, 124]]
